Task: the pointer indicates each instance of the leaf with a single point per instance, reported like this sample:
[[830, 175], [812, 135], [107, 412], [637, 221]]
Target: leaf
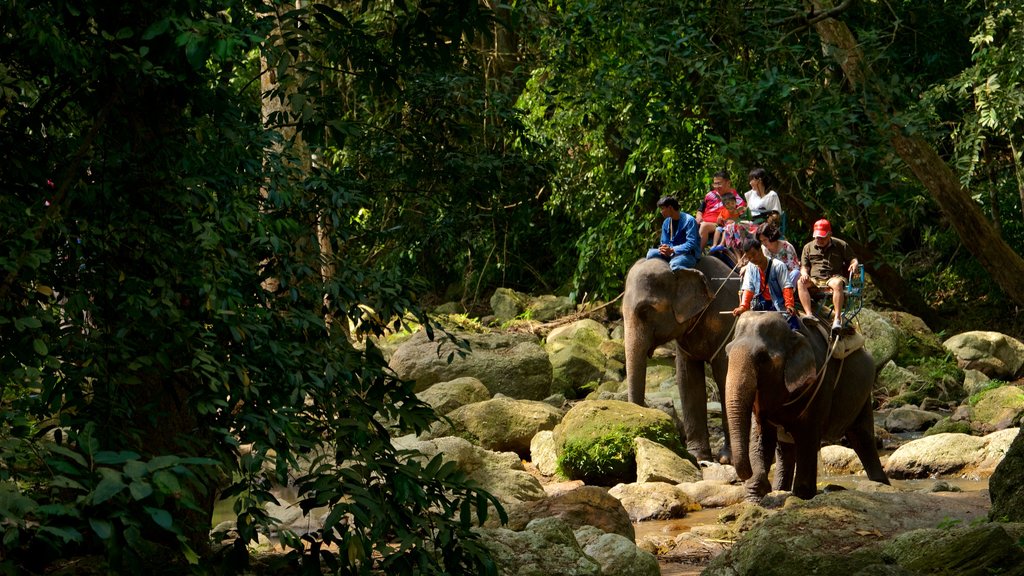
[[66, 534], [102, 528], [108, 457], [40, 347], [140, 490], [108, 487], [161, 517]]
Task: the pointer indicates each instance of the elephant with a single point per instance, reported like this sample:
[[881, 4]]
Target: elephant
[[779, 401], [660, 305]]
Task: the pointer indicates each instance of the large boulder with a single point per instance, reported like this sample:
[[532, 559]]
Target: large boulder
[[654, 500], [714, 493], [838, 533], [909, 419], [996, 409], [546, 546], [511, 364], [502, 424], [500, 473], [507, 304], [595, 440], [997, 355], [547, 307], [444, 397], [1006, 486], [977, 549], [950, 453], [881, 339], [577, 506], [617, 555], [656, 463], [576, 356]]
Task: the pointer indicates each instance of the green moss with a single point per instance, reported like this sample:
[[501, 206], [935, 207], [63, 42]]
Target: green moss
[[610, 457], [948, 425], [990, 385]]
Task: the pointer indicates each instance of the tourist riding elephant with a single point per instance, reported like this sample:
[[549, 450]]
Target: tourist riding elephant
[[660, 306], [775, 380]]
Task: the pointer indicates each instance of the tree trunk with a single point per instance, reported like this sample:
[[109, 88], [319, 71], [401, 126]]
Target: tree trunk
[[1005, 266]]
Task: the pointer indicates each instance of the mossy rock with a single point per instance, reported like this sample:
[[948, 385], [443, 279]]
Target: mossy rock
[[595, 440], [949, 425]]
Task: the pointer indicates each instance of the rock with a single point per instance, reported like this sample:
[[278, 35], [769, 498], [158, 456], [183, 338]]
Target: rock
[[542, 453], [444, 397], [576, 356], [614, 350], [975, 381], [595, 444], [997, 409], [1006, 486], [449, 308], [840, 461], [881, 339], [588, 332], [577, 507], [547, 307], [545, 546], [983, 549], [618, 556], [511, 364], [507, 304], [996, 355], [949, 453], [892, 379], [836, 533], [653, 500], [714, 493], [715, 472], [501, 424], [949, 425], [655, 463], [573, 366], [500, 473], [909, 419]]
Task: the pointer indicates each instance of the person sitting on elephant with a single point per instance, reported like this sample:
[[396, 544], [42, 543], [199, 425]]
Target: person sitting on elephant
[[766, 282], [708, 215], [825, 263], [774, 246], [680, 240]]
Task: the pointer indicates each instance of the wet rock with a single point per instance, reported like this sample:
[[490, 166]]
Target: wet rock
[[909, 419], [653, 500], [714, 493]]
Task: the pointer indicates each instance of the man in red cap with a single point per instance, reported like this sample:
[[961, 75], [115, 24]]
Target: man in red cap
[[825, 264]]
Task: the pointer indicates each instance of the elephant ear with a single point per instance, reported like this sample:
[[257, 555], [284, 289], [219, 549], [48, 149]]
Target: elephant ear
[[801, 365], [692, 295]]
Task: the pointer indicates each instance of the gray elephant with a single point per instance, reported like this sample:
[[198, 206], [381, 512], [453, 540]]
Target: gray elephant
[[686, 306], [775, 380]]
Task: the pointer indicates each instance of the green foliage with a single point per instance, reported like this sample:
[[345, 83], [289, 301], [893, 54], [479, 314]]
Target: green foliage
[[611, 457], [167, 299]]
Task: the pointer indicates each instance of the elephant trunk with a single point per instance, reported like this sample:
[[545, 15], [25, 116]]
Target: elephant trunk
[[637, 343], [740, 391]]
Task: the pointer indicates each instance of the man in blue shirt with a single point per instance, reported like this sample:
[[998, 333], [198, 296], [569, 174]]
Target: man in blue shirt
[[680, 236]]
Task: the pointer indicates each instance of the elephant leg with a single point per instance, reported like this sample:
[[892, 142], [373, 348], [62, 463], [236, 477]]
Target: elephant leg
[[805, 478], [762, 449], [785, 463], [694, 398], [861, 436], [719, 371]]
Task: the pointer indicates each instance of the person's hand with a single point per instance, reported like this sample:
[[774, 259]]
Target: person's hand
[[665, 250], [791, 310], [739, 310], [853, 267]]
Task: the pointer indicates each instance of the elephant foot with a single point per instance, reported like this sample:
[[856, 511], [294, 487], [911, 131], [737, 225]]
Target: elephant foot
[[725, 456]]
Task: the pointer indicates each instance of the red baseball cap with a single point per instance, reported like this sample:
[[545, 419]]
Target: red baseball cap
[[822, 228]]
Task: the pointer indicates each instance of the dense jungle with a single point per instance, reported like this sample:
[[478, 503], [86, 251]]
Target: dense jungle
[[212, 213]]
